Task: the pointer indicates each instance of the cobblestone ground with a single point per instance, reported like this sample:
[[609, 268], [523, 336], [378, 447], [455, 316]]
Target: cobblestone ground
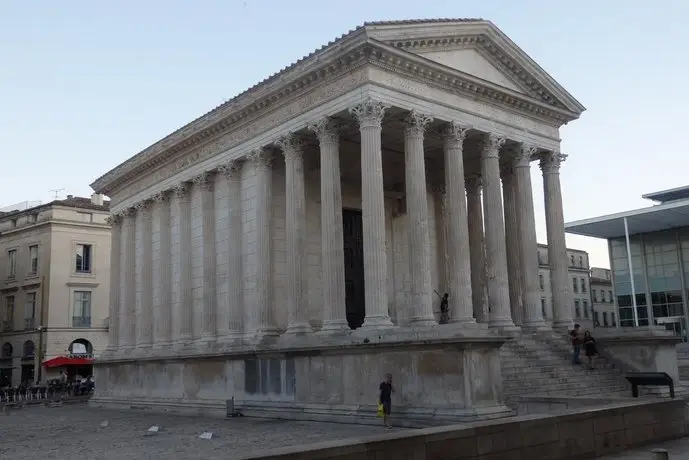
[[70, 432]]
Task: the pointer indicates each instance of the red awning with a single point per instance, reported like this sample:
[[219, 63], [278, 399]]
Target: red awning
[[61, 361]]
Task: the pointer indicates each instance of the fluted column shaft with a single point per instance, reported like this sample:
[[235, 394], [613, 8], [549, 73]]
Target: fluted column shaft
[[205, 182], [332, 239], [457, 237], [127, 316], [557, 246], [417, 219], [231, 319], [496, 252], [477, 252], [144, 288], [295, 232], [262, 162], [370, 116], [163, 306], [115, 289], [528, 245], [512, 242], [185, 312]]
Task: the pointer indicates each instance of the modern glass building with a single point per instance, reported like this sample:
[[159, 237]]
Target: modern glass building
[[649, 258]]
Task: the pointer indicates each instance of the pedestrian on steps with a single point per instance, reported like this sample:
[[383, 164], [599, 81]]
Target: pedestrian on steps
[[590, 349], [576, 338]]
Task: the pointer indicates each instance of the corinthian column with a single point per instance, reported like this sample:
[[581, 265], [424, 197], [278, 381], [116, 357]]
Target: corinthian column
[[496, 252], [457, 238], [557, 246], [162, 311], [127, 319], [332, 245], [369, 114], [262, 162], [477, 250], [231, 316], [115, 267], [512, 241], [417, 215], [295, 231], [528, 245], [144, 288], [209, 313], [185, 306]]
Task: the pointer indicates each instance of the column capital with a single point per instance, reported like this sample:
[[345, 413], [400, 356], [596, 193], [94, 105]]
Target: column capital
[[161, 197], [291, 145], [204, 180], [454, 134], [491, 145], [551, 161], [143, 208], [232, 169], [181, 190], [326, 130], [523, 156], [369, 113], [415, 123], [127, 212], [473, 183], [261, 158], [114, 220]]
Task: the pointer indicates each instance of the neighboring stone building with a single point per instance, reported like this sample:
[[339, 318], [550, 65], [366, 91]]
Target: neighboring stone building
[[603, 297], [578, 269], [237, 274], [54, 284]]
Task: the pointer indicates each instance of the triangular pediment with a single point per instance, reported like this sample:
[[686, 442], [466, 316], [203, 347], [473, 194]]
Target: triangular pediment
[[478, 48]]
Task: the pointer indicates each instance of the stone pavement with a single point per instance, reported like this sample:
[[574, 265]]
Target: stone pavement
[[75, 432], [678, 449]]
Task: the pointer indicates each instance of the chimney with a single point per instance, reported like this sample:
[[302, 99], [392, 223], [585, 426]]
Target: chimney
[[97, 199]]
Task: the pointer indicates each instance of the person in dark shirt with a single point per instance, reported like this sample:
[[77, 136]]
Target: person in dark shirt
[[385, 399]]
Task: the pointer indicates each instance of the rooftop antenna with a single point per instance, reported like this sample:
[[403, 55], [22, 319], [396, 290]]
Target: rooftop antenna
[[57, 191]]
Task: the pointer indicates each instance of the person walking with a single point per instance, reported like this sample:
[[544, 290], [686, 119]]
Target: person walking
[[575, 337], [385, 399]]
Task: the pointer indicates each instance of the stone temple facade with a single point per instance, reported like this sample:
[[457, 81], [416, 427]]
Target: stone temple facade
[[290, 247]]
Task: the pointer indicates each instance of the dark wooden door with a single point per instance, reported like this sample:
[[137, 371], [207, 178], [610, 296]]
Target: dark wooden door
[[354, 267]]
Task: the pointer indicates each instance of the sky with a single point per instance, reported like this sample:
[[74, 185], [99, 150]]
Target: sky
[[86, 84]]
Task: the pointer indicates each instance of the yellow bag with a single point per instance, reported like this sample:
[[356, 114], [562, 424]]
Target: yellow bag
[[381, 410]]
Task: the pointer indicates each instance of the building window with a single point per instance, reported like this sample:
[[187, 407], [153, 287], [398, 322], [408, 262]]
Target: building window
[[596, 323], [83, 258], [605, 319], [585, 307], [581, 261], [85, 217], [11, 263], [577, 309], [571, 258], [543, 307], [33, 259], [8, 314], [582, 281], [610, 299], [594, 294], [540, 281], [30, 311], [612, 317], [575, 286], [81, 316]]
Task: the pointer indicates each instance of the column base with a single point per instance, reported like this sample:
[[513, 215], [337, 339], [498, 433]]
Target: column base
[[535, 325], [377, 322], [504, 324], [460, 321], [162, 345], [563, 324], [301, 327], [335, 325]]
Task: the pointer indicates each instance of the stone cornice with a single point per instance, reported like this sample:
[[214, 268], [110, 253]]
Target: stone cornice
[[237, 121]]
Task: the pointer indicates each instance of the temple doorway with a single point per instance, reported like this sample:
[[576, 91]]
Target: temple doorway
[[352, 226]]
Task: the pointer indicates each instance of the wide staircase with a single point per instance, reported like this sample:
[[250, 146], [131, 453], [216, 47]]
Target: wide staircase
[[540, 364]]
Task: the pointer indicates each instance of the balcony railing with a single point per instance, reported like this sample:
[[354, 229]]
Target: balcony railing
[[81, 321], [29, 323]]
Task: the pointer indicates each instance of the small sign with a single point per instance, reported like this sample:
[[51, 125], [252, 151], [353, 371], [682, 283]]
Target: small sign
[[206, 435], [154, 429]]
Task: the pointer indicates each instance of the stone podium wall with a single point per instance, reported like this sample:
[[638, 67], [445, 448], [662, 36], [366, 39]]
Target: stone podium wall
[[440, 380]]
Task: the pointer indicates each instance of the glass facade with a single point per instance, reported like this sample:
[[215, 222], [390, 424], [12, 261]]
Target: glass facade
[[660, 270]]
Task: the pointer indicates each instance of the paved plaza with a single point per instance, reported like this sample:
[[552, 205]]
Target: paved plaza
[[75, 432]]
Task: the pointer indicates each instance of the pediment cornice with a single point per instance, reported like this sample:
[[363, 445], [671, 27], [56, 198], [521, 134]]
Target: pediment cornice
[[237, 120]]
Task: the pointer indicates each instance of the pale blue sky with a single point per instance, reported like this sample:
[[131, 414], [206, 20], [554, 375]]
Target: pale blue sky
[[84, 85]]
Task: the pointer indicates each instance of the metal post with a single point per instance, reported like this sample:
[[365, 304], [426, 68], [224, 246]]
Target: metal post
[[631, 272]]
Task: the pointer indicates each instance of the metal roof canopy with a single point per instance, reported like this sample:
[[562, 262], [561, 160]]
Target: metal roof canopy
[[652, 219], [672, 194]]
